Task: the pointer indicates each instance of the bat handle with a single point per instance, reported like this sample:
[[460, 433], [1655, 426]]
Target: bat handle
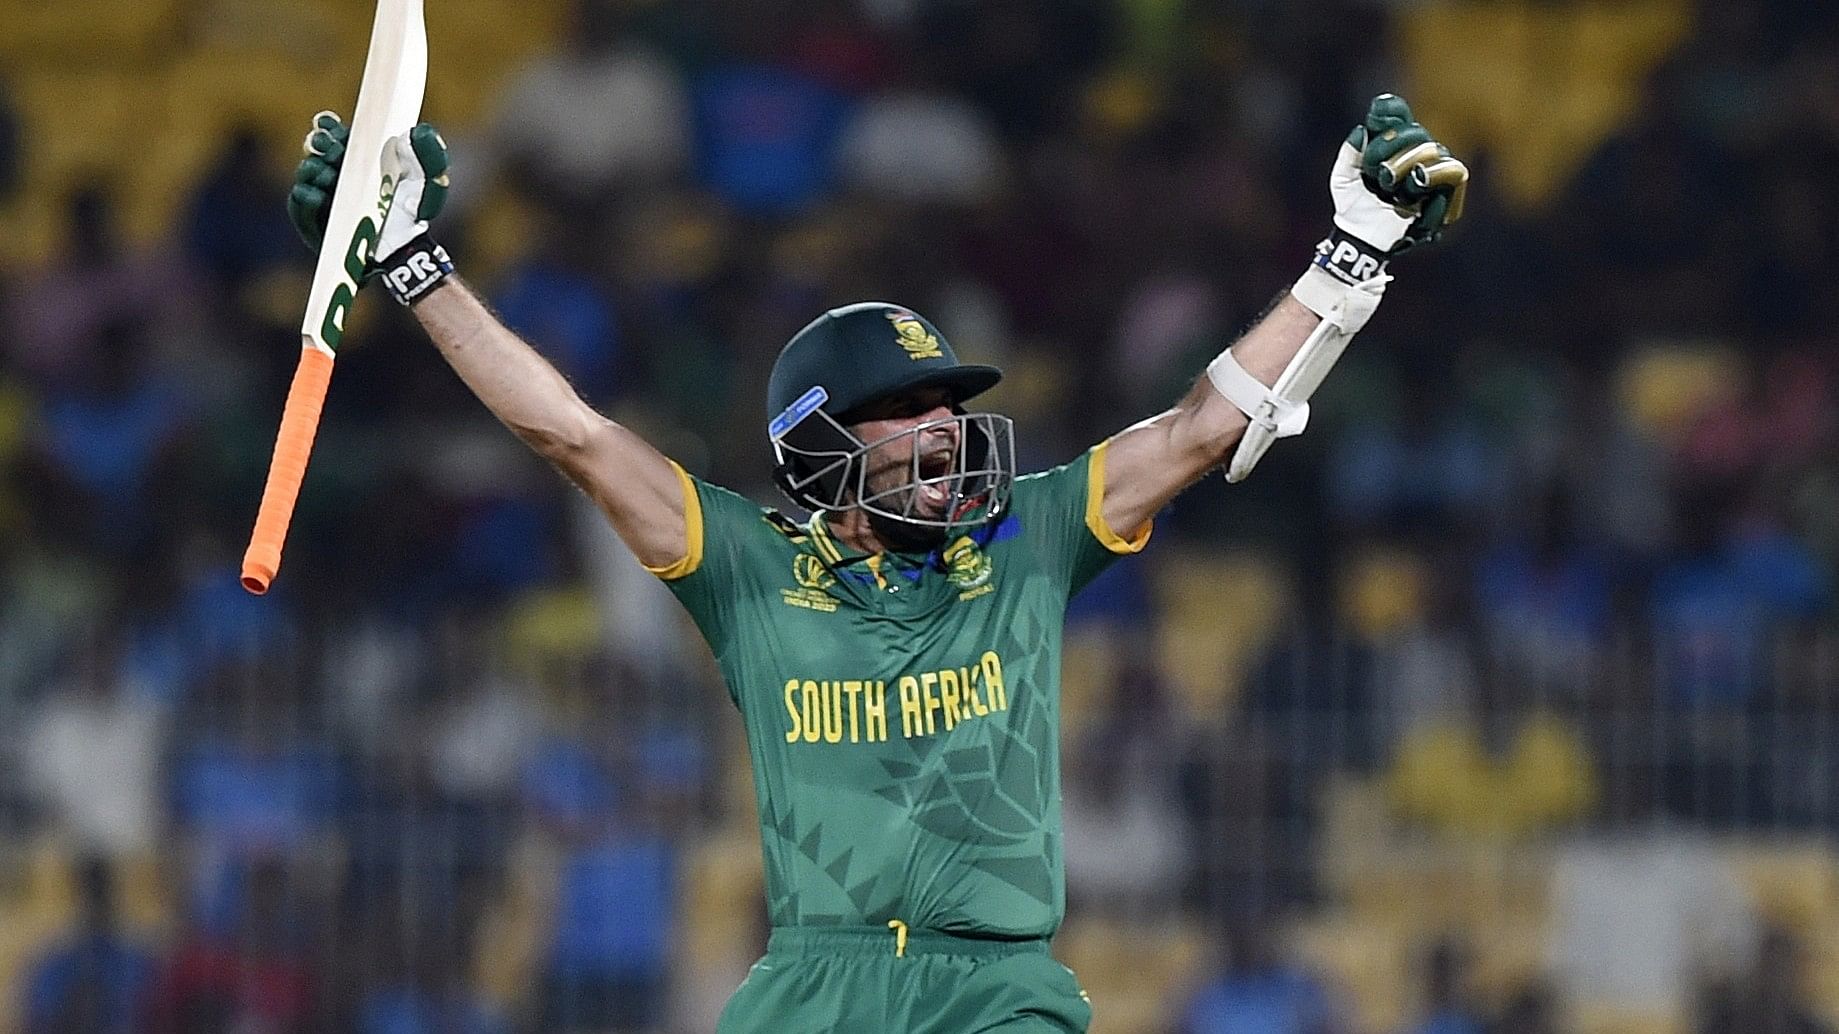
[[293, 444]]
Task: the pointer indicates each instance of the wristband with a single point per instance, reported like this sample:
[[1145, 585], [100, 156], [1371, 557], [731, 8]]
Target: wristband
[[415, 269], [1349, 259], [1344, 282]]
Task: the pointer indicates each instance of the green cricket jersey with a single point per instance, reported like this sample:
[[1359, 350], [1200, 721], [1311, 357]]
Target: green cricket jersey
[[902, 712]]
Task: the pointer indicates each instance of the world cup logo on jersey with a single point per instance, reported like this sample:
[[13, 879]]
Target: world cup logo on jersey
[[919, 342], [967, 566], [810, 572]]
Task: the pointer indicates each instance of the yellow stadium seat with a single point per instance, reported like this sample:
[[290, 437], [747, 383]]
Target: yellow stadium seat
[[37, 34], [78, 119], [493, 38], [1796, 884], [1216, 615], [1370, 962], [722, 899], [1089, 667], [38, 900], [1137, 972], [514, 928], [1539, 85], [1608, 1018]]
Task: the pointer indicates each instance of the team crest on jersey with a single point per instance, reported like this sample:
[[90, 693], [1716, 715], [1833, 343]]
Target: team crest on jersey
[[968, 568], [919, 342]]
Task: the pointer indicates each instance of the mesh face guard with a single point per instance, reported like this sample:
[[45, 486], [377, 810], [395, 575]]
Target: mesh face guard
[[822, 466]]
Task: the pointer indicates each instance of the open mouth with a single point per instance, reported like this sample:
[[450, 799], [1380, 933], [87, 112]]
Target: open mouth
[[934, 467]]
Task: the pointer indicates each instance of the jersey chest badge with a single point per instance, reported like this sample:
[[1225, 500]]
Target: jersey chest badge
[[812, 578], [969, 568]]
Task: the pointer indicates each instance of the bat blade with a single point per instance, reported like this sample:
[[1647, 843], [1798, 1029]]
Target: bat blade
[[389, 102]]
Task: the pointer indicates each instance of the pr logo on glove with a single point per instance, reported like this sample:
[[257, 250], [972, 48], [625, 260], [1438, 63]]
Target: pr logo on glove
[[1394, 188]]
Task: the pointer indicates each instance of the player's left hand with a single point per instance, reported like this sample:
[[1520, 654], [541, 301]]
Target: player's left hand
[[415, 162], [1394, 187], [414, 165]]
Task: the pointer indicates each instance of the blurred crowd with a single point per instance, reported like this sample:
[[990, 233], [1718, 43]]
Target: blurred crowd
[[1557, 554]]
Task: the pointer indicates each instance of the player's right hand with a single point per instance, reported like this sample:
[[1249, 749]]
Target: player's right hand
[[310, 202], [1394, 186], [417, 159]]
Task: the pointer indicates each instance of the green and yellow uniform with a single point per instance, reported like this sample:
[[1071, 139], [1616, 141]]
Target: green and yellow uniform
[[902, 713]]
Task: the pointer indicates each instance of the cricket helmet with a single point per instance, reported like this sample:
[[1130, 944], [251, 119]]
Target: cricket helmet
[[863, 353]]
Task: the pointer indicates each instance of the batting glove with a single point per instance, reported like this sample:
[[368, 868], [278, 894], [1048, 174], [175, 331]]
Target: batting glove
[[1394, 188], [414, 164]]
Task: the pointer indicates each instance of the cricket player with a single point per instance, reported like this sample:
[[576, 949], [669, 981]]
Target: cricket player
[[895, 657]]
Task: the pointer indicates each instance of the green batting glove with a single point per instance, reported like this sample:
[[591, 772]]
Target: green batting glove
[[316, 177], [310, 202], [1402, 166], [1393, 188], [415, 165]]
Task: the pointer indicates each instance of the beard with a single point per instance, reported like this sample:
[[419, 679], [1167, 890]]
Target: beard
[[904, 536], [892, 490]]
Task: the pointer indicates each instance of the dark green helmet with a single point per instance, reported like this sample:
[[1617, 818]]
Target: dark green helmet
[[868, 351], [863, 353]]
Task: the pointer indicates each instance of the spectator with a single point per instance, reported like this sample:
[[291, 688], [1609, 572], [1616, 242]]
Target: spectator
[[1736, 577], [916, 144], [93, 753], [231, 228], [638, 129], [255, 785], [1771, 996], [1529, 1011], [11, 161], [1257, 991], [556, 300], [252, 977], [94, 982], [1449, 1005], [112, 429], [1123, 828], [433, 997], [766, 133], [1544, 598], [61, 311]]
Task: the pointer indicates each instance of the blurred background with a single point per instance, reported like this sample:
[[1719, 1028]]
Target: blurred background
[[1506, 700]]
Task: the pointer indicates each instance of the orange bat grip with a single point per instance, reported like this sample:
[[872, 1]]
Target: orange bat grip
[[293, 444]]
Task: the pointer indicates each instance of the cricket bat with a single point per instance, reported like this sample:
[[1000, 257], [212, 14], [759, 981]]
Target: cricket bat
[[389, 103]]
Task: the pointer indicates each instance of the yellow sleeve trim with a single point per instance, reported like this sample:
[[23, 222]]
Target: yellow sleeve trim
[[692, 527], [1095, 509]]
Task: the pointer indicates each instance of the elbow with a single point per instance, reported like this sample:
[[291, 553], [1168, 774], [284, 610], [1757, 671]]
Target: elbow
[[564, 442], [1202, 448]]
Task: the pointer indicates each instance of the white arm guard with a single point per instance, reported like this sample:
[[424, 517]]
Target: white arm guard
[[1282, 410], [1280, 417]]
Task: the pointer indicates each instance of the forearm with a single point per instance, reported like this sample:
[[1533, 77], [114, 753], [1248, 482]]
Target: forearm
[[1266, 350], [1151, 462], [1204, 427], [516, 383]]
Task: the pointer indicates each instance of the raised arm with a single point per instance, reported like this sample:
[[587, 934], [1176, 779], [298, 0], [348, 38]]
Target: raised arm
[[1393, 188], [1149, 463], [639, 490], [632, 483]]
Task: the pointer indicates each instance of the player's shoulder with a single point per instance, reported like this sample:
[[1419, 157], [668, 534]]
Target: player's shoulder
[[735, 510], [1073, 470]]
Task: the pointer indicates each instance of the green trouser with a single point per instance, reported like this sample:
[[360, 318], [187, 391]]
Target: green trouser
[[852, 981]]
